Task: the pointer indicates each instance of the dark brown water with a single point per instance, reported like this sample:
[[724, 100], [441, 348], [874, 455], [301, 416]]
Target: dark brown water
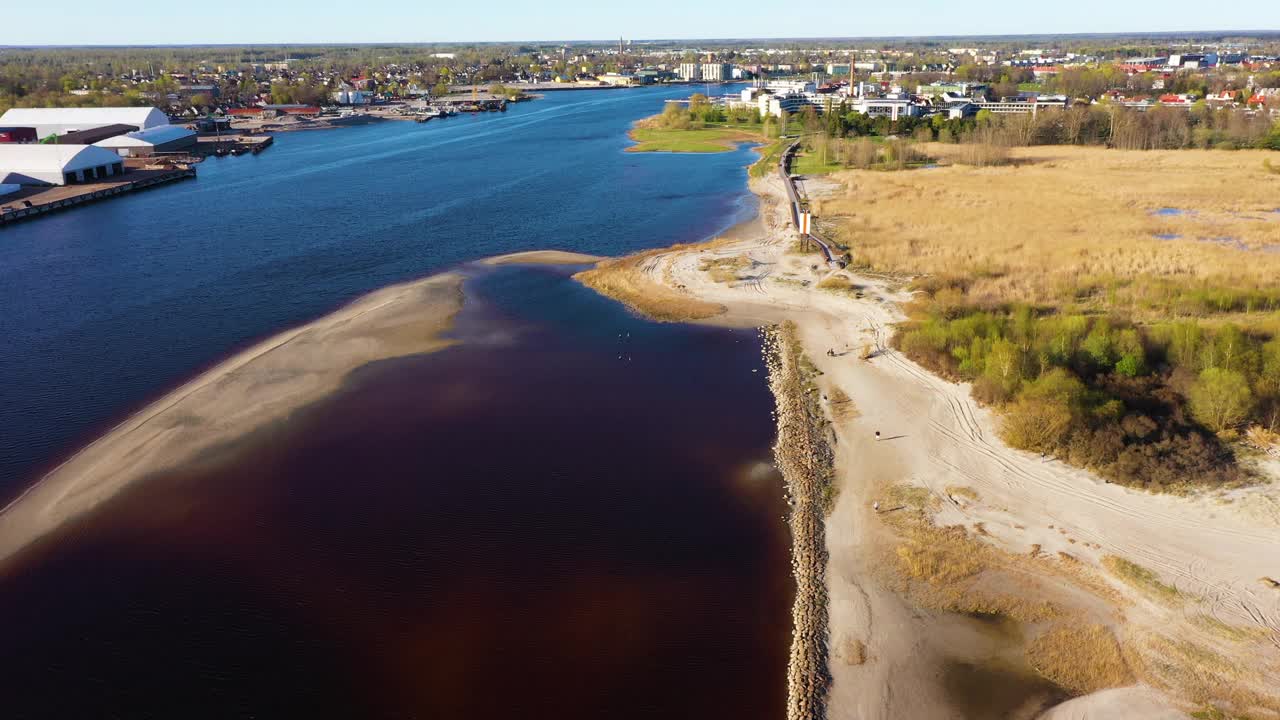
[[570, 515]]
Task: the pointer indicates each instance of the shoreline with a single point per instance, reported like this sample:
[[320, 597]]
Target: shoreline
[[803, 456], [942, 521], [246, 391]]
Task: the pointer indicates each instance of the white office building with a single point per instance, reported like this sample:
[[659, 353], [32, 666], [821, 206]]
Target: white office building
[[715, 72]]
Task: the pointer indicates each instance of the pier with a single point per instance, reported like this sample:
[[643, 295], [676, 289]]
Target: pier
[[34, 202], [800, 204]]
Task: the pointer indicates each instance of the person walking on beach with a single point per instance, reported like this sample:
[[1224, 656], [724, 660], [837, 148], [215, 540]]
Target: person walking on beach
[[877, 435]]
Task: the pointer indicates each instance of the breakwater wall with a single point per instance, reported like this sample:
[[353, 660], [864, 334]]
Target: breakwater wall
[[805, 460]]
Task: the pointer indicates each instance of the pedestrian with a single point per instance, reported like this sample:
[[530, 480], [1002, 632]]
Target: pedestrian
[[876, 506], [877, 435]]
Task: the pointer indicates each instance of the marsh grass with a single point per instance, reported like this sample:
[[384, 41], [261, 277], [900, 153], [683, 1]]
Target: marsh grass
[[946, 568], [1080, 659], [1073, 227], [1142, 579]]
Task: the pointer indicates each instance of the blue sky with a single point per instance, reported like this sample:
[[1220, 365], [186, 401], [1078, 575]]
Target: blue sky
[[71, 22]]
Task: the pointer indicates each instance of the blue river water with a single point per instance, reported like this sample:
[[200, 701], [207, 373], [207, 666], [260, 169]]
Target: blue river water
[[109, 305]]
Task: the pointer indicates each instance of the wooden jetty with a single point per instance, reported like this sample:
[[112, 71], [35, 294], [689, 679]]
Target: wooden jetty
[[34, 202]]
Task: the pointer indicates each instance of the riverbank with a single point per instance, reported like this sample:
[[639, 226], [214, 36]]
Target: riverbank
[[803, 456], [256, 387], [935, 523]]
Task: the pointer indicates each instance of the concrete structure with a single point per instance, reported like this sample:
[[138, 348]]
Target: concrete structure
[[690, 71], [57, 121], [1028, 105], [144, 143], [57, 164], [618, 79], [839, 68], [715, 72]]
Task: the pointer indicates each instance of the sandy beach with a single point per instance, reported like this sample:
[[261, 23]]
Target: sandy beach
[[1034, 531], [258, 386]]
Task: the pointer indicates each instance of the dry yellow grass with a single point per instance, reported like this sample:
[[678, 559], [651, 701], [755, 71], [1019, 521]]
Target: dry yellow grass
[[1202, 675], [1080, 659], [724, 269], [1227, 631], [842, 406], [626, 279], [838, 282], [945, 568], [963, 491], [1142, 579], [852, 651], [1070, 223]]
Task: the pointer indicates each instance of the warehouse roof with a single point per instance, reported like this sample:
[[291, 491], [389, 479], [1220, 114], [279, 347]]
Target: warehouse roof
[[47, 158], [142, 117], [148, 138], [93, 135]]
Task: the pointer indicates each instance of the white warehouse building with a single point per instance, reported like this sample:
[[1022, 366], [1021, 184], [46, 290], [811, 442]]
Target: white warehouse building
[[144, 143], [56, 121], [57, 164]]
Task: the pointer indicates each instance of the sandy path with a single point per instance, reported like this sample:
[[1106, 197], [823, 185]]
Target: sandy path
[[258, 386], [1213, 548]]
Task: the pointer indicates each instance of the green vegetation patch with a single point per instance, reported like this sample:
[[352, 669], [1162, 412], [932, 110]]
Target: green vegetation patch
[[703, 140], [812, 163], [1148, 406]]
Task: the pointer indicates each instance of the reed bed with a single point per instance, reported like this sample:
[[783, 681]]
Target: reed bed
[[1071, 225]]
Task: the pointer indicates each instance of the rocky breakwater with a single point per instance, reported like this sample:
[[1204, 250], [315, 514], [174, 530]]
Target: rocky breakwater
[[804, 457]]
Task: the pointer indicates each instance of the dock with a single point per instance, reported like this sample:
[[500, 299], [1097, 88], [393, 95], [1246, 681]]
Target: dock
[[231, 143], [36, 201]]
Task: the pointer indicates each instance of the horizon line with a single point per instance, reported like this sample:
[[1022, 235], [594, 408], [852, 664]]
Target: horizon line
[[322, 43]]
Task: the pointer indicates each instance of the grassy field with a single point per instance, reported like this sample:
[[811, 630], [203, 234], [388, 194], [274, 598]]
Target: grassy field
[[1089, 226], [810, 163], [769, 156], [1118, 308], [694, 140]]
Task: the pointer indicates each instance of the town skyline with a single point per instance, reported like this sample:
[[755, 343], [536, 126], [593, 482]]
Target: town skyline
[[86, 24]]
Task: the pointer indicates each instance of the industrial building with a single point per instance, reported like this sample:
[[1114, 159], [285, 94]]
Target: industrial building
[[58, 121], [57, 164], [94, 135], [152, 141]]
